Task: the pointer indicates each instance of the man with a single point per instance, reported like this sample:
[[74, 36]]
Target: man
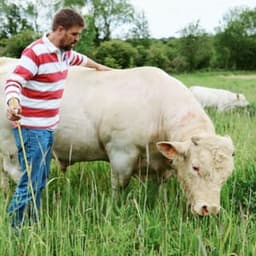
[[33, 93]]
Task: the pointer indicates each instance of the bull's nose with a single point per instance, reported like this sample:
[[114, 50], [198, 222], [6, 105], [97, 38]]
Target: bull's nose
[[205, 209]]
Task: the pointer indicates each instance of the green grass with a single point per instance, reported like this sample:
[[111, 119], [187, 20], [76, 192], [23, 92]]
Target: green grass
[[79, 216]]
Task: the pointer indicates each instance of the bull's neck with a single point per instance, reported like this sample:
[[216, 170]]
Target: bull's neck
[[189, 125]]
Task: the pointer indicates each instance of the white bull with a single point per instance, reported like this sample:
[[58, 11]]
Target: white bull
[[142, 120], [221, 99]]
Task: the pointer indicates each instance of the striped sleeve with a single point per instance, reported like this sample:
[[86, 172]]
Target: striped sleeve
[[24, 71], [76, 58]]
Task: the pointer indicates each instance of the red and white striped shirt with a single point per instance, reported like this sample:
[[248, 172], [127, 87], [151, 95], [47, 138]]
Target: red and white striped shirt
[[38, 82]]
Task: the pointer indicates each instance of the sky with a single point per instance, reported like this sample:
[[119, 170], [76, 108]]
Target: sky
[[167, 17]]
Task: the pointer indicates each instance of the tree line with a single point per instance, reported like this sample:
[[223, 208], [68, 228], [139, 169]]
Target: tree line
[[232, 47]]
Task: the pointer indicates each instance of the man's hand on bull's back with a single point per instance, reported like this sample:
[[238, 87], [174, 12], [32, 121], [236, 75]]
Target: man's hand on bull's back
[[100, 67], [14, 109]]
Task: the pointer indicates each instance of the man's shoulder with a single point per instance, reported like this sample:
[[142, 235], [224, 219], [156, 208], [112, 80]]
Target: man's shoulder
[[36, 43], [37, 47]]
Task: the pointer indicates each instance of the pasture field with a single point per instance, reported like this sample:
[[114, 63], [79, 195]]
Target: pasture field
[[80, 217]]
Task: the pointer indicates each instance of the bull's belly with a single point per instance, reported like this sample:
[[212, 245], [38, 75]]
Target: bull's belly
[[72, 155]]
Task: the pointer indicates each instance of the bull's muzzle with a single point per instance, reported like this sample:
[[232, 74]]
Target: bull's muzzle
[[205, 209]]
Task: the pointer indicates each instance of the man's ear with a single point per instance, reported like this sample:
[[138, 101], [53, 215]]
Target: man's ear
[[172, 150], [60, 29]]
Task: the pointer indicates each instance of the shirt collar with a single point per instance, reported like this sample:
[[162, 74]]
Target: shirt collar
[[49, 44]]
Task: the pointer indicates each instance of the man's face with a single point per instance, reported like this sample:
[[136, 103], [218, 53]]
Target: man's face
[[69, 37]]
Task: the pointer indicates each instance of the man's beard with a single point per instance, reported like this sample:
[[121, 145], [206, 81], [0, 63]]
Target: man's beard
[[66, 47]]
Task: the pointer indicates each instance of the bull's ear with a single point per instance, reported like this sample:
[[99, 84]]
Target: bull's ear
[[171, 150]]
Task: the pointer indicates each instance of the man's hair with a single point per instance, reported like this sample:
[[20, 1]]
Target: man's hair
[[67, 18]]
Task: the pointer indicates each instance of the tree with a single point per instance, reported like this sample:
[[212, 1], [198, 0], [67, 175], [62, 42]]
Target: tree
[[140, 28], [138, 34], [109, 15], [40, 13], [12, 19], [27, 15], [87, 39], [196, 46], [74, 3], [236, 40]]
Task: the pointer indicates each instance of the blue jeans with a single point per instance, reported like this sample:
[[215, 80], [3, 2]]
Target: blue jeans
[[26, 198]]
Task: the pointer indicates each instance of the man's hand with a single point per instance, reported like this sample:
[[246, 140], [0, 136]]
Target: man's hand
[[101, 67], [93, 64], [14, 109]]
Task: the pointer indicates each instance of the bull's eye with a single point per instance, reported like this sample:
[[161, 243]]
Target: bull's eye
[[233, 154], [196, 168]]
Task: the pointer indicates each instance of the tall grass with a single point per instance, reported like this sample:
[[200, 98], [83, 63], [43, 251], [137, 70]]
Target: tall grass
[[79, 216]]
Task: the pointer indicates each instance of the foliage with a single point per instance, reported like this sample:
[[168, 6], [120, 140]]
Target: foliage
[[141, 56], [14, 46], [12, 19], [109, 15], [74, 3], [232, 47], [179, 64], [236, 42], [87, 39], [158, 55], [140, 28], [195, 46], [116, 53]]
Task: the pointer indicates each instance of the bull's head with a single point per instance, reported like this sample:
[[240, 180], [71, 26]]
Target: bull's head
[[241, 101], [202, 166]]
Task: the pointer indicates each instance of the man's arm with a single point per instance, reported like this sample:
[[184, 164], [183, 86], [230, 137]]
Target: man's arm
[[77, 58], [93, 64], [24, 71]]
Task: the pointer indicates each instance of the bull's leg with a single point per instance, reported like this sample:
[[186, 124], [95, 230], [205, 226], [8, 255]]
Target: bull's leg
[[12, 168], [122, 162], [4, 182], [9, 168]]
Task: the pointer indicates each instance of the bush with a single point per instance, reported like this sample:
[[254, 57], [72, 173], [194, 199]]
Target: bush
[[116, 52], [158, 56], [141, 56], [179, 64], [14, 46]]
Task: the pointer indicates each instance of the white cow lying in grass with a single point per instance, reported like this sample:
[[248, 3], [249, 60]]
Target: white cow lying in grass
[[221, 99], [139, 120]]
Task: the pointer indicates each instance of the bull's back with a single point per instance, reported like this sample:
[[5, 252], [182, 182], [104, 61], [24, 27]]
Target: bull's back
[[131, 88]]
